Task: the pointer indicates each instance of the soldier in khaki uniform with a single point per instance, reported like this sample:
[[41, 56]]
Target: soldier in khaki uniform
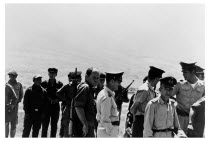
[[144, 94], [107, 114], [187, 93], [13, 95], [160, 118]]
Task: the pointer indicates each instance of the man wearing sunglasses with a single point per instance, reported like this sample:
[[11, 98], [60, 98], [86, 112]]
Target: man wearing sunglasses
[[161, 119]]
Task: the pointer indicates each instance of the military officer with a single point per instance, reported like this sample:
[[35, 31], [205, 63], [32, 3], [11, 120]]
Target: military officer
[[143, 95], [52, 107], [13, 96], [83, 113], [107, 113], [66, 94], [33, 104], [187, 93], [160, 118]]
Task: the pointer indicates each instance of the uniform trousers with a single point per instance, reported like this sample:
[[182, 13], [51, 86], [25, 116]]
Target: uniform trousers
[[51, 114], [101, 132], [32, 121], [183, 121], [138, 126]]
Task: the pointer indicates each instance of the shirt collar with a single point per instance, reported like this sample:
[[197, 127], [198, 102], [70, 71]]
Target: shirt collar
[[109, 91], [149, 85], [161, 101]]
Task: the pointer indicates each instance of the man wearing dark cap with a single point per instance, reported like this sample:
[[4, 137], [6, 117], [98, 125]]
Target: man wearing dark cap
[[33, 104], [160, 118], [199, 72], [187, 92], [143, 95], [107, 113], [52, 107], [66, 94], [13, 96], [83, 113]]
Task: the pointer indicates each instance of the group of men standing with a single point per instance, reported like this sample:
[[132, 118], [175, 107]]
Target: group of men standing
[[162, 116], [91, 109]]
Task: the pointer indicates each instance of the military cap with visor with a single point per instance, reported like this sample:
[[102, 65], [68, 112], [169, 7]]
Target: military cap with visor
[[155, 72], [114, 75], [36, 77], [13, 72], [188, 66], [53, 70], [168, 82]]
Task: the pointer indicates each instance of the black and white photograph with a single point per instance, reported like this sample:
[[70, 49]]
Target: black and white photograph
[[104, 70]]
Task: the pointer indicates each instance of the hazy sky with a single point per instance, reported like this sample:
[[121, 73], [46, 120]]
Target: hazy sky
[[170, 30], [127, 37]]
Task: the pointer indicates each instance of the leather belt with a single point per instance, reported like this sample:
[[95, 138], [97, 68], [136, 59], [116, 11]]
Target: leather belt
[[115, 123], [162, 130]]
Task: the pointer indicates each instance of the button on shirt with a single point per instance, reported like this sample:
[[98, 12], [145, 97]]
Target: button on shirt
[[159, 115], [144, 94], [186, 95]]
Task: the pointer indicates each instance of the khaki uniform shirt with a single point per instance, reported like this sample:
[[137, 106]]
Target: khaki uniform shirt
[[144, 94], [160, 115], [186, 96]]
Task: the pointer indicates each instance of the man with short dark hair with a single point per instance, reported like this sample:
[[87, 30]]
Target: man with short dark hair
[[83, 113], [107, 113], [33, 104], [13, 96], [160, 119], [144, 94], [187, 93], [66, 94], [52, 107]]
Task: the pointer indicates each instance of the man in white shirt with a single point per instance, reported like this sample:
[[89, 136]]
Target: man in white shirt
[[107, 114]]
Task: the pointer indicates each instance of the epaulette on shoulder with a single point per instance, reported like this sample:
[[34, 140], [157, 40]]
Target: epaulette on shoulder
[[154, 100]]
